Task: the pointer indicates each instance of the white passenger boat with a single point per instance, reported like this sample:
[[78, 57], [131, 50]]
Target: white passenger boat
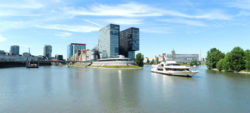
[[173, 68]]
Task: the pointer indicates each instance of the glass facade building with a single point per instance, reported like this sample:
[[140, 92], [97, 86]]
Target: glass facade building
[[14, 50], [129, 42], [75, 48], [108, 43], [47, 51]]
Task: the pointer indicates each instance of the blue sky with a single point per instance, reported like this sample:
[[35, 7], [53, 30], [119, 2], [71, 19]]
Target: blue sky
[[187, 26]]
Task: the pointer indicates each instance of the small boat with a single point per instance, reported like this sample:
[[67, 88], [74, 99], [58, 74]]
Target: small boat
[[32, 64], [173, 68]]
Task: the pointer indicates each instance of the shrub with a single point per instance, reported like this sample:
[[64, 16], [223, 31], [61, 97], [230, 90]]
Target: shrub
[[139, 59]]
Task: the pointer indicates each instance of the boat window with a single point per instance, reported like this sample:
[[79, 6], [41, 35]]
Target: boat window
[[173, 64], [170, 69], [160, 69]]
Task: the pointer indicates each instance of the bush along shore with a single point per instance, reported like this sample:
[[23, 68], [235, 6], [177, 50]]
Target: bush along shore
[[237, 60]]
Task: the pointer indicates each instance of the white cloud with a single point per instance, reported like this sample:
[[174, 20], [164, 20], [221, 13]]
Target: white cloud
[[70, 28], [92, 22], [64, 34], [185, 21], [25, 4], [244, 13], [6, 13], [241, 4], [20, 8], [213, 15], [2, 39], [124, 21], [7, 25], [123, 10], [141, 10]]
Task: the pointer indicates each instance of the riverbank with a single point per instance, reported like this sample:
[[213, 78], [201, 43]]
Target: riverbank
[[240, 72], [117, 67], [105, 66], [20, 64]]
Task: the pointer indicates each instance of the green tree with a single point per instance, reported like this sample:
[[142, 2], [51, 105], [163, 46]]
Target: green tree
[[139, 59], [220, 64], [194, 62], [247, 60], [235, 60], [153, 61], [148, 62], [226, 65], [213, 56]]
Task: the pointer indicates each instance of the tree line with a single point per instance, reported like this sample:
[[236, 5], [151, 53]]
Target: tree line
[[235, 60]]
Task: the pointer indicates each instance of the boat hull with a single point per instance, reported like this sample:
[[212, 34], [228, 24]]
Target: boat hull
[[176, 73]]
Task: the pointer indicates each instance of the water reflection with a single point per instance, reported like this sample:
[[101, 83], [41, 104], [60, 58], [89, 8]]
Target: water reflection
[[64, 90]]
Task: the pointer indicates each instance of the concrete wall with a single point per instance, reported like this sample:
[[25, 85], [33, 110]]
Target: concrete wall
[[112, 63]]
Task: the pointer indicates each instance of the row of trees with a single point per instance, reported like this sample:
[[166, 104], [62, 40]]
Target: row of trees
[[236, 60]]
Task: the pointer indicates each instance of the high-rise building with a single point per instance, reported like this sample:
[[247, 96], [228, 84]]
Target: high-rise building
[[129, 42], [14, 50], [2, 52], [59, 57], [47, 51], [108, 43], [74, 50]]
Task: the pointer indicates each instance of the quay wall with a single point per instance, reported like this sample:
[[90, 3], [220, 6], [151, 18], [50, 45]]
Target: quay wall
[[103, 63], [20, 64], [112, 63]]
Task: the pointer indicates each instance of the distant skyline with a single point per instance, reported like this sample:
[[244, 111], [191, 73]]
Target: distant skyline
[[187, 26]]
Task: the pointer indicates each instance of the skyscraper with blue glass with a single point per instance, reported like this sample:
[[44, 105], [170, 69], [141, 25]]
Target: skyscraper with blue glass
[[108, 43], [129, 42], [14, 50]]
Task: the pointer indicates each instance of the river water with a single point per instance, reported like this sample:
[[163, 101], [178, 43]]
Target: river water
[[87, 90]]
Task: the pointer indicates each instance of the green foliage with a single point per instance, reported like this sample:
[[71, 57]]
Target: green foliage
[[247, 60], [152, 62], [235, 60], [213, 56], [194, 63], [139, 59], [220, 64], [226, 64], [148, 62]]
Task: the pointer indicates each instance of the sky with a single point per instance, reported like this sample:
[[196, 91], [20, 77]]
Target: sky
[[187, 26]]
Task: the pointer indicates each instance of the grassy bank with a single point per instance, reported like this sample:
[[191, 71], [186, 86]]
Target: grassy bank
[[77, 65]]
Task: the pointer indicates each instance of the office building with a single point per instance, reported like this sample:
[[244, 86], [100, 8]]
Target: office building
[[108, 43], [14, 50], [129, 42], [2, 52], [74, 50], [59, 57], [26, 54], [47, 51], [182, 58]]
